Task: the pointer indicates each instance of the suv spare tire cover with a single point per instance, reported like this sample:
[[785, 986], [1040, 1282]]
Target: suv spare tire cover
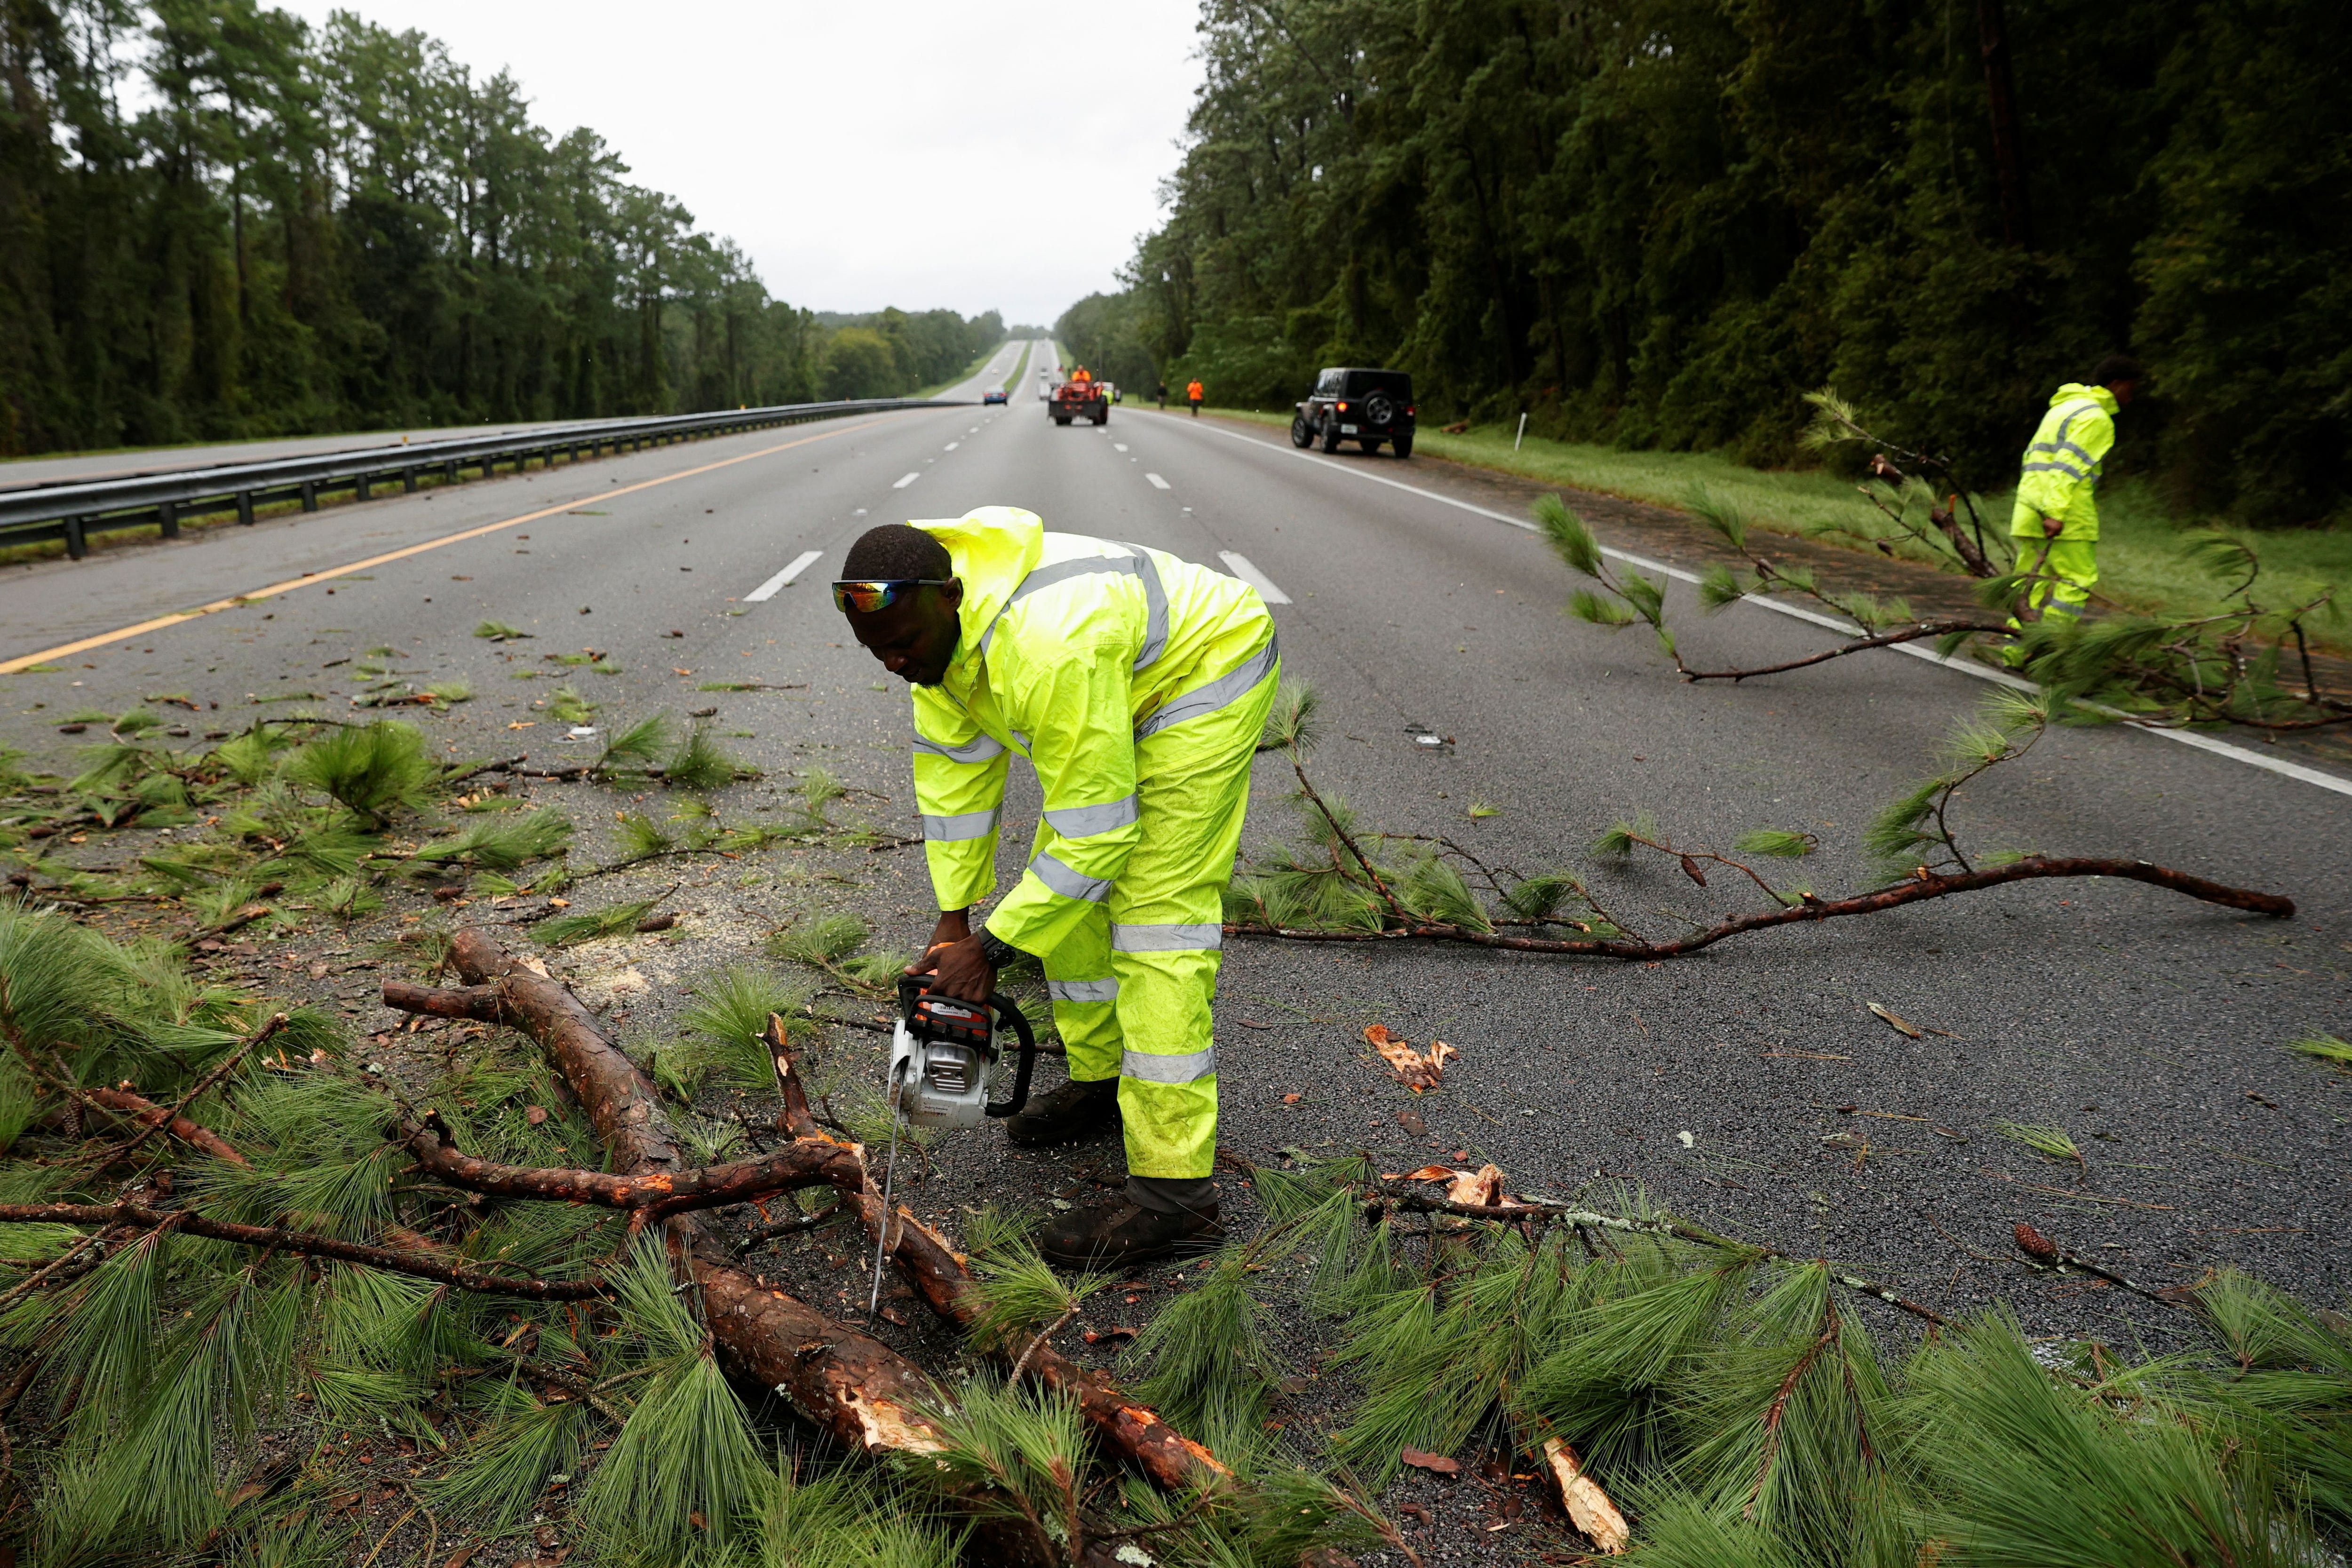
[[1379, 408]]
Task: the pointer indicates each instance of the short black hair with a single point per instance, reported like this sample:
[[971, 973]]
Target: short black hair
[[2116, 368], [898, 550]]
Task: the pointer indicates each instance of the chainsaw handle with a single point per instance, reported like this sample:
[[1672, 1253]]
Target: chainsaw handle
[[1008, 1009]]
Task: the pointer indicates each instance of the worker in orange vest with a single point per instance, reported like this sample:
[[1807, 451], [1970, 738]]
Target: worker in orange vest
[[1081, 374], [1194, 395]]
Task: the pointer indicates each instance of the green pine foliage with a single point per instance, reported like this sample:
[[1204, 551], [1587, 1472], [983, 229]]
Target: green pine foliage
[[725, 1026], [820, 942], [700, 763], [592, 925], [375, 770], [502, 843]]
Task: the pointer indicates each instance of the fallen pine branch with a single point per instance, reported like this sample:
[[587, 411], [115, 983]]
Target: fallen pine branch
[[309, 1244], [854, 1387], [1811, 908], [648, 1196], [167, 1119], [1132, 1432], [176, 1118], [1405, 1193]]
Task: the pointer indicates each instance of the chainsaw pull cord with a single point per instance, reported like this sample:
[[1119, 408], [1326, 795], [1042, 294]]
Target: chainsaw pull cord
[[1006, 1008], [889, 1176]]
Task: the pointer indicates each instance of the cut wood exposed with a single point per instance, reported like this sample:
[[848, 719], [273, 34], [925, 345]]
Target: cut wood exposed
[[849, 1384], [1589, 1508], [1128, 1430], [854, 1386]]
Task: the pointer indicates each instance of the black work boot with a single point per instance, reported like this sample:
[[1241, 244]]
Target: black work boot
[[1073, 1112], [1110, 1236]]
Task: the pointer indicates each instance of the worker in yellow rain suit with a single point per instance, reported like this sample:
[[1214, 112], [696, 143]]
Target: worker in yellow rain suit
[[1138, 684], [2056, 519]]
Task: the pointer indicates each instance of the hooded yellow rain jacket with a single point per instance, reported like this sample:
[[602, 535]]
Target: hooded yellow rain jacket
[[2059, 478], [1136, 684]]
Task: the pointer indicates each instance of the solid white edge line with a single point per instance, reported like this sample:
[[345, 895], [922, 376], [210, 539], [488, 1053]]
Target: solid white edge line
[[1249, 573], [1999, 677], [783, 579], [902, 484], [1157, 482]]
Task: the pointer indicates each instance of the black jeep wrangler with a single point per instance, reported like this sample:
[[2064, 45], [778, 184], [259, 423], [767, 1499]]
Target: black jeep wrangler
[[1367, 406]]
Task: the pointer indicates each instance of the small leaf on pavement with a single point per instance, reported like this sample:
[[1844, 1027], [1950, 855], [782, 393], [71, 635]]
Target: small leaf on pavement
[[1436, 1464], [1415, 1072], [1900, 1026], [1690, 870]]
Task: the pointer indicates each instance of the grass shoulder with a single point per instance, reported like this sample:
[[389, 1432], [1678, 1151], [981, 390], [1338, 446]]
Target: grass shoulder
[[2142, 566]]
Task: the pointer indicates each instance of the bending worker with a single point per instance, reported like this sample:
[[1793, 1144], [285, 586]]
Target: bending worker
[[1136, 684], [2056, 509]]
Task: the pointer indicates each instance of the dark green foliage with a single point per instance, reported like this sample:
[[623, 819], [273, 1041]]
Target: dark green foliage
[[227, 222], [1658, 225]]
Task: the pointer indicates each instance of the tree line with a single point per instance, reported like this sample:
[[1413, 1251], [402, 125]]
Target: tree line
[[217, 221], [1659, 223]]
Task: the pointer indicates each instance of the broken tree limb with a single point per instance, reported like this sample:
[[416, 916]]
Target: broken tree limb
[[1935, 885], [228, 1065], [1923, 630], [655, 1194], [140, 1108], [1402, 1193], [855, 1387], [138, 1216], [1137, 1434]]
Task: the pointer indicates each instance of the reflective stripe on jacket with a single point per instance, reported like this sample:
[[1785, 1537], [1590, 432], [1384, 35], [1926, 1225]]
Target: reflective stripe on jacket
[[2061, 471], [1071, 649]]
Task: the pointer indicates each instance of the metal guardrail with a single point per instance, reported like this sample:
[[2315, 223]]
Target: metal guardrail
[[73, 509]]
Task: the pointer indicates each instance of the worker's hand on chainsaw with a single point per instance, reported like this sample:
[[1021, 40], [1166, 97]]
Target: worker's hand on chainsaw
[[958, 970]]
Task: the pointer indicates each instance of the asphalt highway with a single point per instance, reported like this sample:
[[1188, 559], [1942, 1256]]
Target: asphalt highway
[[2151, 1027]]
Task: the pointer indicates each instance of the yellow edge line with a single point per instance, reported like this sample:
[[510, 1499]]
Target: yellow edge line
[[10, 666]]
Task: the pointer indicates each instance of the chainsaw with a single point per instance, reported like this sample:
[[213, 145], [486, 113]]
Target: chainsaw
[[943, 1053]]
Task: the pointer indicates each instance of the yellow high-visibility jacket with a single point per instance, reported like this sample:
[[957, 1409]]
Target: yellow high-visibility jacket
[[1072, 650], [2061, 472]]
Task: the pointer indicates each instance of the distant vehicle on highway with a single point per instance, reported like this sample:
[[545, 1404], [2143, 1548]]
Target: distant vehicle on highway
[[995, 395], [1080, 397], [1353, 403]]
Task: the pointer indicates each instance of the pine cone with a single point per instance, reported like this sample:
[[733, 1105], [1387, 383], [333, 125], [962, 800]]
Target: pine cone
[[2035, 1245]]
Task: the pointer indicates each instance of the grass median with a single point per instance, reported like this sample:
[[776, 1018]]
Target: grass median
[[2141, 563]]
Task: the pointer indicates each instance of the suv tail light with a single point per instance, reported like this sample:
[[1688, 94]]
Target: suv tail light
[[1409, 413]]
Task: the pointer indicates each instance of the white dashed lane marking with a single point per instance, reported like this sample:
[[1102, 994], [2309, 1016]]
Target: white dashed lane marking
[[903, 483], [1157, 482], [784, 579], [1241, 567], [950, 446]]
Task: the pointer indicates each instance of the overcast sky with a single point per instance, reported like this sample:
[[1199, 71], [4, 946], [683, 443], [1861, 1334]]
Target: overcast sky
[[994, 154]]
